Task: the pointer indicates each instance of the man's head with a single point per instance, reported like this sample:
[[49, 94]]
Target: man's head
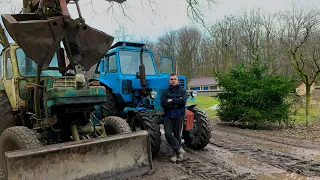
[[173, 79]]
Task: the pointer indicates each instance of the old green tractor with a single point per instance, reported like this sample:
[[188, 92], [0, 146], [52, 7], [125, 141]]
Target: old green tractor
[[50, 125]]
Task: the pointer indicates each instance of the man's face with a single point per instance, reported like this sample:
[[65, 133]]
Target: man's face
[[173, 80]]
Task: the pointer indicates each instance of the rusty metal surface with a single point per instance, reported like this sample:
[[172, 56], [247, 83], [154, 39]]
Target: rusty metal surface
[[40, 38], [113, 157], [88, 45]]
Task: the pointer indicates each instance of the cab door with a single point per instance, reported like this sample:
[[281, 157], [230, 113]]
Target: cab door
[[166, 65], [8, 79]]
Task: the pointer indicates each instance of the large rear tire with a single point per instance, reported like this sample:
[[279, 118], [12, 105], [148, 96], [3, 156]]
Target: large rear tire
[[110, 107], [145, 121], [16, 138], [116, 125], [6, 114], [200, 135]]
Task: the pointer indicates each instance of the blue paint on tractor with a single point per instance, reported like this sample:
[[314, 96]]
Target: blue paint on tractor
[[119, 71]]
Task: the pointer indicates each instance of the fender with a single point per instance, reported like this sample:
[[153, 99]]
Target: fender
[[104, 82]]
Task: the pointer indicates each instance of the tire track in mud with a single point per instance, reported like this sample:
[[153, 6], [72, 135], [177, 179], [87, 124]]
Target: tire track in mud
[[284, 140], [280, 158], [210, 169], [202, 164]]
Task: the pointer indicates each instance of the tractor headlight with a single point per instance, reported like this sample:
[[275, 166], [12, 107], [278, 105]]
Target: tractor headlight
[[153, 94], [193, 93], [24, 92]]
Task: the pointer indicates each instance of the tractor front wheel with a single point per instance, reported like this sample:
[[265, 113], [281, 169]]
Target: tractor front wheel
[[110, 107], [16, 138], [7, 116], [115, 125], [200, 135], [145, 121]]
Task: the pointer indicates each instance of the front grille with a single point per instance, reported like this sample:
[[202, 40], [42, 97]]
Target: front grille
[[181, 82], [65, 82]]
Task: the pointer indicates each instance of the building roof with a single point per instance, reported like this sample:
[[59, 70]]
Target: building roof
[[202, 81]]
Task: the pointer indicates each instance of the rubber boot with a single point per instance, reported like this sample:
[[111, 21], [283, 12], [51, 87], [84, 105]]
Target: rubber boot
[[173, 158], [181, 153]]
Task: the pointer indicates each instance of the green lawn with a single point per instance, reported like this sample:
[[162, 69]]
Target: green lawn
[[204, 102], [314, 115]]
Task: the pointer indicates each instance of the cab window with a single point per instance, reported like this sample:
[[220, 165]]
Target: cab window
[[111, 64], [9, 70]]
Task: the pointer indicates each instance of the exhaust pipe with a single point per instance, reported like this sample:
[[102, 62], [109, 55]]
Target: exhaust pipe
[[142, 72]]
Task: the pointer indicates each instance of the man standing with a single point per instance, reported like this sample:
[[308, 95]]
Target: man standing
[[173, 101]]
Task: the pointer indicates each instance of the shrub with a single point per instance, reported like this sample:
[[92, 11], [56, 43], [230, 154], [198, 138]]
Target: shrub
[[253, 97]]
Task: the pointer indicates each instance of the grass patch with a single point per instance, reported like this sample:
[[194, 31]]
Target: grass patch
[[314, 115], [205, 102]]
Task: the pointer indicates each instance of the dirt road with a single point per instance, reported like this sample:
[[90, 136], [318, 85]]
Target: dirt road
[[240, 154]]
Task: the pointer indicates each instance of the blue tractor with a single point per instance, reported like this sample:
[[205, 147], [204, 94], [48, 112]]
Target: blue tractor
[[134, 86]]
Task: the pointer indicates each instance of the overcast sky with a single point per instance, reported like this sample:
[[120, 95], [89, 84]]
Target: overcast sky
[[170, 14]]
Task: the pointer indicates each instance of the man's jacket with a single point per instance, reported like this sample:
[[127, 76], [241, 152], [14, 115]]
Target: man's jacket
[[176, 108]]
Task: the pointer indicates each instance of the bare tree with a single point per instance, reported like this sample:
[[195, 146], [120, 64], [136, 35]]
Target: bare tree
[[167, 45], [122, 34], [188, 45], [300, 36]]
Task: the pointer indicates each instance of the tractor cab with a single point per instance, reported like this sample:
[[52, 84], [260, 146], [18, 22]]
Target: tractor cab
[[120, 71]]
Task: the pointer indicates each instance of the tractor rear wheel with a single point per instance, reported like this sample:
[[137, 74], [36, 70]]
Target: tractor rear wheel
[[200, 135], [145, 121], [6, 114], [16, 138], [115, 125], [110, 108]]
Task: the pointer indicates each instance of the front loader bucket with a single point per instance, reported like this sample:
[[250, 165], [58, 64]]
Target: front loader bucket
[[40, 38], [114, 157]]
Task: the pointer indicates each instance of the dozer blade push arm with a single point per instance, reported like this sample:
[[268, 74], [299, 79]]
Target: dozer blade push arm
[[40, 34]]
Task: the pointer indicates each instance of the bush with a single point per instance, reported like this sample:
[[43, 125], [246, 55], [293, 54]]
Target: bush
[[252, 97]]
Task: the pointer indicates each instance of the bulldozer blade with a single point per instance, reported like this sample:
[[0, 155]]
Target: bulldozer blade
[[113, 157], [40, 38]]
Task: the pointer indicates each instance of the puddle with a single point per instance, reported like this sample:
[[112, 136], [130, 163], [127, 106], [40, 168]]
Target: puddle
[[317, 157], [243, 160], [282, 176], [271, 146]]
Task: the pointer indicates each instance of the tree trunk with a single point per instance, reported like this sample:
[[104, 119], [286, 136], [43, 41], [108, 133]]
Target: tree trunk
[[3, 38], [307, 102]]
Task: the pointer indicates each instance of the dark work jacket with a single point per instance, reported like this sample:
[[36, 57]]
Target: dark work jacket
[[176, 108]]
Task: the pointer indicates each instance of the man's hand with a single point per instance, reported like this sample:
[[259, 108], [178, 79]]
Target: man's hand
[[169, 100]]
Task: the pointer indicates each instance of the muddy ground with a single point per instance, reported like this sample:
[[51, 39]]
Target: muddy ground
[[235, 154], [241, 154]]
